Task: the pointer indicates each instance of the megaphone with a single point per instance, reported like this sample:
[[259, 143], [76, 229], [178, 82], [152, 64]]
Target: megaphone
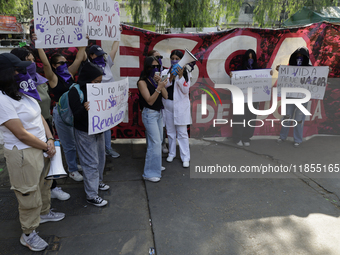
[[57, 170], [187, 58]]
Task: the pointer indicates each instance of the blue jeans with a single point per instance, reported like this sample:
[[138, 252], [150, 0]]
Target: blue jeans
[[300, 119], [153, 122], [66, 136], [107, 135], [91, 152]]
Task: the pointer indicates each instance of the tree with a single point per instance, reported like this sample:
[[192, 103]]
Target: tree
[[203, 13], [22, 9]]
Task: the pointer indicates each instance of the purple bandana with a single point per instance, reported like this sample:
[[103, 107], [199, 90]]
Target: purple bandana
[[63, 72], [99, 61], [37, 78], [26, 85]]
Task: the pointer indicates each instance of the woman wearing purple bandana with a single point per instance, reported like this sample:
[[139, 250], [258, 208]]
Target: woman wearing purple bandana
[[150, 99], [98, 56], [44, 101], [60, 77], [300, 57], [26, 137]]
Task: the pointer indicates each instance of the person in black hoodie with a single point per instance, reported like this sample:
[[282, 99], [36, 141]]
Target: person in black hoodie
[[242, 134], [300, 57], [90, 148]]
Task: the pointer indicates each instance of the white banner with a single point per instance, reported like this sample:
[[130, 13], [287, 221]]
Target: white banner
[[312, 78], [59, 24], [103, 19], [108, 102], [260, 80]]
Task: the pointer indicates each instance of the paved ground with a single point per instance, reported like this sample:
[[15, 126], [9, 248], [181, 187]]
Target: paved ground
[[182, 215]]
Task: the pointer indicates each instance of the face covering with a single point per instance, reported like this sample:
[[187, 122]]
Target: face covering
[[99, 61], [63, 72], [26, 85], [299, 61], [174, 62], [250, 62], [151, 75], [37, 78]]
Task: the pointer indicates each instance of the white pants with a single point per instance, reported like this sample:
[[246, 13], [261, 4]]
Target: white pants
[[172, 129]]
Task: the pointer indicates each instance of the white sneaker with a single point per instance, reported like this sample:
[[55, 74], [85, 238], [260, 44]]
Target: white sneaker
[[103, 186], [33, 242], [79, 168], [153, 179], [164, 148], [169, 159], [76, 176], [239, 143], [186, 164], [52, 216], [112, 153], [162, 168], [97, 201], [246, 144], [59, 194]]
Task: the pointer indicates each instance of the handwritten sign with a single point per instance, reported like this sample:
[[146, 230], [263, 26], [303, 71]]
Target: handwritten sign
[[312, 78], [59, 23], [103, 19], [259, 80], [108, 102]]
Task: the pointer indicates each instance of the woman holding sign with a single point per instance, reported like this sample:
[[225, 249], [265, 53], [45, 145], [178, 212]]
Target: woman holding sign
[[300, 57], [60, 77], [150, 99], [91, 148], [243, 133]]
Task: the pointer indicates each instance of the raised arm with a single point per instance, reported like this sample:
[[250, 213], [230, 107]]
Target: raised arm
[[114, 50], [81, 55], [49, 74]]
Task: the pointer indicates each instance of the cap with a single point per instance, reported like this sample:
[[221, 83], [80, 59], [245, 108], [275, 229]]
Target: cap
[[95, 49], [8, 60]]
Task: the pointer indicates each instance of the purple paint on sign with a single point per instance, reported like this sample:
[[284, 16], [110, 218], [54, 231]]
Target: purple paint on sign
[[117, 7]]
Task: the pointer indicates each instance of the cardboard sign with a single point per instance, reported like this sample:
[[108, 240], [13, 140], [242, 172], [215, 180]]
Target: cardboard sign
[[103, 19], [312, 78], [108, 102], [259, 80], [59, 23]]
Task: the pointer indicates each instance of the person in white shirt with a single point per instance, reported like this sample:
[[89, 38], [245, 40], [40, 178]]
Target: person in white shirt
[[26, 137], [177, 111]]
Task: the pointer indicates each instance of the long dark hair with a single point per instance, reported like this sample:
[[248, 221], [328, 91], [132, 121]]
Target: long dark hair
[[21, 53], [179, 54], [147, 67], [245, 58], [8, 85]]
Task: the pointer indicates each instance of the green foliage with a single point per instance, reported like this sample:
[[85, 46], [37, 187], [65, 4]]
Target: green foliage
[[268, 12], [22, 9]]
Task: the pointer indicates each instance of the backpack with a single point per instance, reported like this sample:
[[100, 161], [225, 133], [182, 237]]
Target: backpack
[[63, 106]]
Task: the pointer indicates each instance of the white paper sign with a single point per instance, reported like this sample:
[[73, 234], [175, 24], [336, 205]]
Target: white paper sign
[[312, 78], [108, 102], [59, 24], [103, 19], [259, 80]]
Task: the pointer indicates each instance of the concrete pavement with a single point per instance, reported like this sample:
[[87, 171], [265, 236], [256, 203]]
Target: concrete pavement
[[183, 215]]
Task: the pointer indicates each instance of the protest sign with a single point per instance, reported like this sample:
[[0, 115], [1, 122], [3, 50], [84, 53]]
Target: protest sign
[[103, 19], [59, 24], [108, 102], [259, 80], [312, 78]]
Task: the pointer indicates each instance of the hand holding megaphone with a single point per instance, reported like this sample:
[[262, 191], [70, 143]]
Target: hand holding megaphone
[[187, 58]]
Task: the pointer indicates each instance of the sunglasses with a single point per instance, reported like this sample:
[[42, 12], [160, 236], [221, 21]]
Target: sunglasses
[[159, 57], [61, 62], [156, 66]]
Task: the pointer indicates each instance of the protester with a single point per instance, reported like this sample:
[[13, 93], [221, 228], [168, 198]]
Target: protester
[[91, 148], [96, 56], [177, 111], [150, 98], [26, 137], [163, 71], [300, 57], [61, 77], [44, 103], [242, 133]]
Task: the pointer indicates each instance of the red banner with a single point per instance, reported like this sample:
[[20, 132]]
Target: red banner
[[9, 23]]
